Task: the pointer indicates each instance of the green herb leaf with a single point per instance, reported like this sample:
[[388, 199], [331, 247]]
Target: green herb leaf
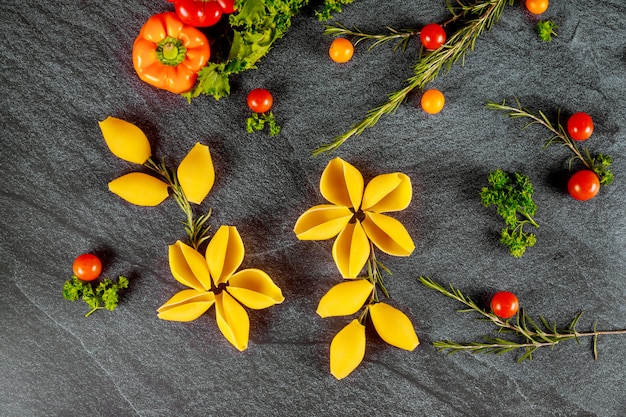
[[73, 289], [546, 29], [512, 195], [330, 7], [105, 295], [258, 121]]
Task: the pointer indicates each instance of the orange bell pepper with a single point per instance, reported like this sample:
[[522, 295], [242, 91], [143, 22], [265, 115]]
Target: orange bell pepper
[[168, 54]]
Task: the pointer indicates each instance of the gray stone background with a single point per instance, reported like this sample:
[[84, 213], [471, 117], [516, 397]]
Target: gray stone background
[[67, 65]]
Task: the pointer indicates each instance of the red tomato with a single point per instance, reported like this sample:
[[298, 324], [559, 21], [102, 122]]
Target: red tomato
[[198, 13], [341, 50], [260, 100], [580, 126], [504, 304], [87, 267], [228, 6], [537, 6], [583, 185], [432, 36]]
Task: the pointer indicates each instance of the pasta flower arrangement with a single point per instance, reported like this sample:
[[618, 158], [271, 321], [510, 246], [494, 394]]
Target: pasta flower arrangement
[[212, 278], [355, 217]]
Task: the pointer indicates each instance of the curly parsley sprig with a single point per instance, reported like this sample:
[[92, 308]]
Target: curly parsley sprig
[[104, 296], [474, 19], [530, 336], [599, 164], [330, 7], [546, 29], [258, 121], [512, 194]]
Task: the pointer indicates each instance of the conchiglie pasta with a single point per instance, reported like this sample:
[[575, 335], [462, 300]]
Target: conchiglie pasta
[[140, 189], [125, 140]]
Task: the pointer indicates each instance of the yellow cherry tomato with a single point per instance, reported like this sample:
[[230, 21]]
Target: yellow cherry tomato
[[433, 101], [341, 50], [537, 6]]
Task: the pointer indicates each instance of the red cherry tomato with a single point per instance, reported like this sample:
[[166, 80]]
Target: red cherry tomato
[[580, 126], [583, 185], [87, 267], [228, 6], [198, 13], [260, 100], [504, 304], [432, 36]]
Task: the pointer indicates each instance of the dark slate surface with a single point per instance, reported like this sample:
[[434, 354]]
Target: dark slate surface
[[67, 65]]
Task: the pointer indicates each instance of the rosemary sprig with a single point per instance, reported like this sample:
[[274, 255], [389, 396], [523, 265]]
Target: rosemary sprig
[[474, 19], [402, 37], [598, 164], [197, 229], [375, 276], [512, 194], [530, 335]]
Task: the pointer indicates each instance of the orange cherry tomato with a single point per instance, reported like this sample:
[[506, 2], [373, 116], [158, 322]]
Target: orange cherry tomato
[[537, 6], [341, 50], [432, 101], [87, 267]]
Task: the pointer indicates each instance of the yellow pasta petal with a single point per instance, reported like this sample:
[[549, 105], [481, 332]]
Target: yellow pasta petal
[[186, 305], [345, 298], [254, 289], [196, 174], [189, 267], [232, 320], [197, 264], [347, 349], [351, 250], [388, 234], [125, 140], [224, 253], [393, 326], [140, 189], [322, 222], [342, 184], [387, 192]]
